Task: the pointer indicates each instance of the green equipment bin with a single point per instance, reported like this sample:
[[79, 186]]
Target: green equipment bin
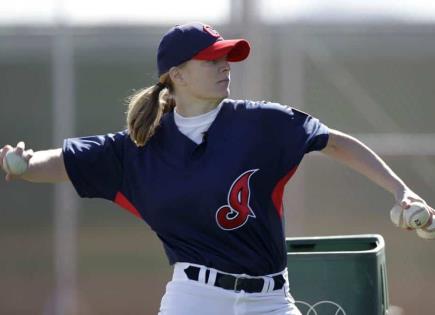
[[338, 275]]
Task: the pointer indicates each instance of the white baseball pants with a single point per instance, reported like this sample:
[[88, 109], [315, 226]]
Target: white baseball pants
[[190, 297]]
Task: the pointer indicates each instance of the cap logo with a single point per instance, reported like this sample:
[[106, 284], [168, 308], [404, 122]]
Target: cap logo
[[211, 31]]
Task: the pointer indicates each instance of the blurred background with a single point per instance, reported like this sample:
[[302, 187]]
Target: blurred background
[[366, 68]]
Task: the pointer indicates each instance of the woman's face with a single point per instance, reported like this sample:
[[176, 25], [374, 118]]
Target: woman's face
[[206, 80]]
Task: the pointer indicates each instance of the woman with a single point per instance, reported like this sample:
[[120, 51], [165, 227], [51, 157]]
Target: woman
[[207, 173]]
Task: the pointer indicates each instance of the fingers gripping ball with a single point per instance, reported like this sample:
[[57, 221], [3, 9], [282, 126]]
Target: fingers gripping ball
[[14, 164], [396, 216], [428, 232], [417, 215]]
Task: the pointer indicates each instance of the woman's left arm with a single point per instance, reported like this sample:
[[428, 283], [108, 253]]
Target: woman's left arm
[[356, 155]]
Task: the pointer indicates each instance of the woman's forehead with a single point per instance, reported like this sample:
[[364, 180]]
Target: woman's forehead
[[199, 63], [194, 64]]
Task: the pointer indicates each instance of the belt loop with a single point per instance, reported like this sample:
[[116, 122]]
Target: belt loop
[[212, 276], [271, 284], [266, 284], [201, 276], [286, 285]]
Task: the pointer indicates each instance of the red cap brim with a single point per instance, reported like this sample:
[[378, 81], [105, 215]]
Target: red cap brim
[[234, 49]]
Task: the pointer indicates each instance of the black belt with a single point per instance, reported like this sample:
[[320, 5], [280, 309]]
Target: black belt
[[229, 282]]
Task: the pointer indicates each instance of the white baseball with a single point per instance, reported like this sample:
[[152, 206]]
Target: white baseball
[[428, 232], [396, 216], [14, 164], [417, 215]]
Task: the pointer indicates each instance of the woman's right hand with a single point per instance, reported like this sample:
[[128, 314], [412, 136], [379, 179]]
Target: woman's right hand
[[18, 150]]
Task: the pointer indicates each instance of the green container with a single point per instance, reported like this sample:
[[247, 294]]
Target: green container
[[338, 275]]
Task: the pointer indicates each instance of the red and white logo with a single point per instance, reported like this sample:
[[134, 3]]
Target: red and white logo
[[237, 212], [211, 31]]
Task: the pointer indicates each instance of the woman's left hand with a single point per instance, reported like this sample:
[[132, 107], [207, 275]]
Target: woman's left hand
[[406, 197]]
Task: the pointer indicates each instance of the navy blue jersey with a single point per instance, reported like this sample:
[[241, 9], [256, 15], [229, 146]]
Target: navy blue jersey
[[218, 203]]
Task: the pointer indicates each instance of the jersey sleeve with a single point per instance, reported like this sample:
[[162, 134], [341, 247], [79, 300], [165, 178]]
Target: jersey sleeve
[[94, 164], [295, 132], [313, 133]]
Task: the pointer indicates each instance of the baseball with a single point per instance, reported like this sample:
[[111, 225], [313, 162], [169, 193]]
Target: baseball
[[417, 215], [14, 164], [396, 216], [428, 232]]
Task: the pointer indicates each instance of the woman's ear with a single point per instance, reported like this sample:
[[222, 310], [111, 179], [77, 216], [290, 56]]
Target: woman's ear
[[176, 75]]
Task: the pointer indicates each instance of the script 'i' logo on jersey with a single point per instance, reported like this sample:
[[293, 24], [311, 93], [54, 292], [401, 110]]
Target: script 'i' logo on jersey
[[237, 212]]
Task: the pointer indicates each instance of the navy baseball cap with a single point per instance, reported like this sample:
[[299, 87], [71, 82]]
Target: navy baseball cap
[[197, 41]]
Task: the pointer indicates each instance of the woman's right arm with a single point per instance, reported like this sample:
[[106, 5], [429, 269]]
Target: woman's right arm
[[43, 166]]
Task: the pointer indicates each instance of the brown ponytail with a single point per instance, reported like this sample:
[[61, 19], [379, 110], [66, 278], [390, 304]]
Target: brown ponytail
[[145, 109]]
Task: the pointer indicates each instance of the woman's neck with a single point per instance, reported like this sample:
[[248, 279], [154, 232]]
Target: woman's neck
[[195, 107]]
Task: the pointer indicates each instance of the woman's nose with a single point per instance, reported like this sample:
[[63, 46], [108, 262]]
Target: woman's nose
[[225, 65]]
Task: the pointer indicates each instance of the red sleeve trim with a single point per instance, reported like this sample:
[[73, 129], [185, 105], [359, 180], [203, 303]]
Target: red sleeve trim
[[123, 202], [278, 191]]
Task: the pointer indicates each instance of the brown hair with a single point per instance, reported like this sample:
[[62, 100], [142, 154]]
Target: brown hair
[[146, 107]]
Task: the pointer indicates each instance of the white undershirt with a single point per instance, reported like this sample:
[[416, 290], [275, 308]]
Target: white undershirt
[[195, 126]]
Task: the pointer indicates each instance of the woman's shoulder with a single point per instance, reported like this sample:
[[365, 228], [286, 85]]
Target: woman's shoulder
[[102, 138], [119, 138], [259, 107]]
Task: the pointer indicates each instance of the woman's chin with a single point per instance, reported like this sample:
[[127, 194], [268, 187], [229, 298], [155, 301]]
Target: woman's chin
[[219, 95]]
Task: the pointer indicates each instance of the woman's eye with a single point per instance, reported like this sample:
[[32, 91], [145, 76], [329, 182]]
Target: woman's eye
[[212, 62]]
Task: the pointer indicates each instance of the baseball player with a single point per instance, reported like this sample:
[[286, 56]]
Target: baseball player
[[207, 173]]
